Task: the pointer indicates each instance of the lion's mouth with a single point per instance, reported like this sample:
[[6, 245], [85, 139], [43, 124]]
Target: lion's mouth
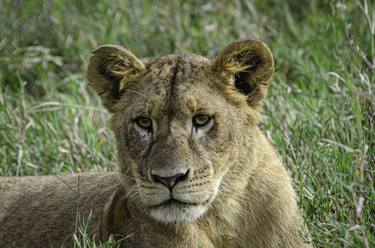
[[175, 202], [173, 209]]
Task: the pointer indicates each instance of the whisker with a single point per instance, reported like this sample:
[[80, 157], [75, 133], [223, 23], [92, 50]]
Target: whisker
[[133, 178]]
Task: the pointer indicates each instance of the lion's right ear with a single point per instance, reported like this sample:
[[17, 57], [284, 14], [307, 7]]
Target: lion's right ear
[[109, 68], [246, 66]]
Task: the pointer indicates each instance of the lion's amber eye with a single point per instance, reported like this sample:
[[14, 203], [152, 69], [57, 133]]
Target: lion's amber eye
[[144, 122], [201, 120]]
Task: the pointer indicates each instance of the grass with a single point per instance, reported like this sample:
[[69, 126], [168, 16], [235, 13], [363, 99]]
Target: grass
[[82, 237], [320, 112]]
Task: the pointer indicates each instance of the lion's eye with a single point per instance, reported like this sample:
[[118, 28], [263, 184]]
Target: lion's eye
[[144, 122], [201, 120]]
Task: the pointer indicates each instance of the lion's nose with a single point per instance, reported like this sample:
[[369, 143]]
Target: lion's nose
[[170, 181]]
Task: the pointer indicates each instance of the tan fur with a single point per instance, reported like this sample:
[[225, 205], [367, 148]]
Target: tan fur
[[235, 192], [41, 211]]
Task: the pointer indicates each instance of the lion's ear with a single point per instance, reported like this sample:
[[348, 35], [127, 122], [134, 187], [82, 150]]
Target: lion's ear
[[248, 67], [108, 69]]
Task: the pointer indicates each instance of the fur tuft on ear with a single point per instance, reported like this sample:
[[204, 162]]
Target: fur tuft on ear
[[109, 69], [248, 67]]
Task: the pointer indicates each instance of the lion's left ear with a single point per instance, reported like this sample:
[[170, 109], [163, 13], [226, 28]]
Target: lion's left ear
[[247, 66], [109, 68]]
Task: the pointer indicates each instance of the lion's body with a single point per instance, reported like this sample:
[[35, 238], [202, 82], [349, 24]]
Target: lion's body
[[259, 211], [42, 211]]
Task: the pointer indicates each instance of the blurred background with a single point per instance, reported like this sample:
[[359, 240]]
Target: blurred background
[[319, 113]]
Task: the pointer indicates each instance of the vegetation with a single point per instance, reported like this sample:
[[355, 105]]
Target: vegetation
[[320, 113]]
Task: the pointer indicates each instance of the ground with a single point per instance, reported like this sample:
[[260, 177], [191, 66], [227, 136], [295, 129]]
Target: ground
[[319, 113]]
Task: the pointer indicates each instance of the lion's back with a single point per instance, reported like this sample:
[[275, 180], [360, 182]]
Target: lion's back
[[42, 211]]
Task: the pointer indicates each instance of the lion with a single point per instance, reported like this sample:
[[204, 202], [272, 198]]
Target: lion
[[199, 171], [195, 169]]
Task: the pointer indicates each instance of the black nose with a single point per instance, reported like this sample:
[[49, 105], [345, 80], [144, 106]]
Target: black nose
[[171, 181]]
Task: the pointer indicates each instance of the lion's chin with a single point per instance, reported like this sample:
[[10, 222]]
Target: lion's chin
[[176, 213]]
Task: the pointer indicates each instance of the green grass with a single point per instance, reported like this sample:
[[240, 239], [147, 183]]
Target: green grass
[[320, 112]]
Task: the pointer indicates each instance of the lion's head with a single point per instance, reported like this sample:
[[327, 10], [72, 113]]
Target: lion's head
[[181, 121]]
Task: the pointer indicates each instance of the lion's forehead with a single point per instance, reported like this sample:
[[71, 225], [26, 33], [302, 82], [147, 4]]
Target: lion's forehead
[[175, 83], [177, 70]]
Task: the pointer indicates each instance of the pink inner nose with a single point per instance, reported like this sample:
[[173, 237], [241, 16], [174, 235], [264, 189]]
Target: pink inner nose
[[171, 181]]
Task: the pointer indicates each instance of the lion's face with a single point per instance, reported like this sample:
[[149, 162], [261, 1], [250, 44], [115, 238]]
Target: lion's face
[[179, 122], [175, 129]]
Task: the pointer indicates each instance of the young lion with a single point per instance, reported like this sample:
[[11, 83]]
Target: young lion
[[195, 169], [203, 174]]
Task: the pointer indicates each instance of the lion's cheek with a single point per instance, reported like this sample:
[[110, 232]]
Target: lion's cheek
[[136, 145]]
